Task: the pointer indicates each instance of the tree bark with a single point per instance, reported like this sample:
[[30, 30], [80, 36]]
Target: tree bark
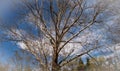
[[55, 65]]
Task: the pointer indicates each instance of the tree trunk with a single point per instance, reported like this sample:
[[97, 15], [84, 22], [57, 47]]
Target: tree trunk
[[55, 65]]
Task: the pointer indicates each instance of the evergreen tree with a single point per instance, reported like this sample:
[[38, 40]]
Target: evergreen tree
[[80, 66], [87, 67]]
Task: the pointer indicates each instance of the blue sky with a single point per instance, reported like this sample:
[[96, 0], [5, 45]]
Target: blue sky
[[6, 48]]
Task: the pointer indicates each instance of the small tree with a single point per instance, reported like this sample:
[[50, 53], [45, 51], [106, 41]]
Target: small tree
[[80, 66], [87, 66], [21, 61]]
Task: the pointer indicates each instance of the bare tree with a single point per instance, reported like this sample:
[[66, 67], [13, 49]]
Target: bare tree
[[19, 62], [55, 25]]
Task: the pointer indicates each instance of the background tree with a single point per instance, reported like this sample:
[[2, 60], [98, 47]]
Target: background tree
[[21, 61], [80, 66], [87, 66], [4, 67]]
